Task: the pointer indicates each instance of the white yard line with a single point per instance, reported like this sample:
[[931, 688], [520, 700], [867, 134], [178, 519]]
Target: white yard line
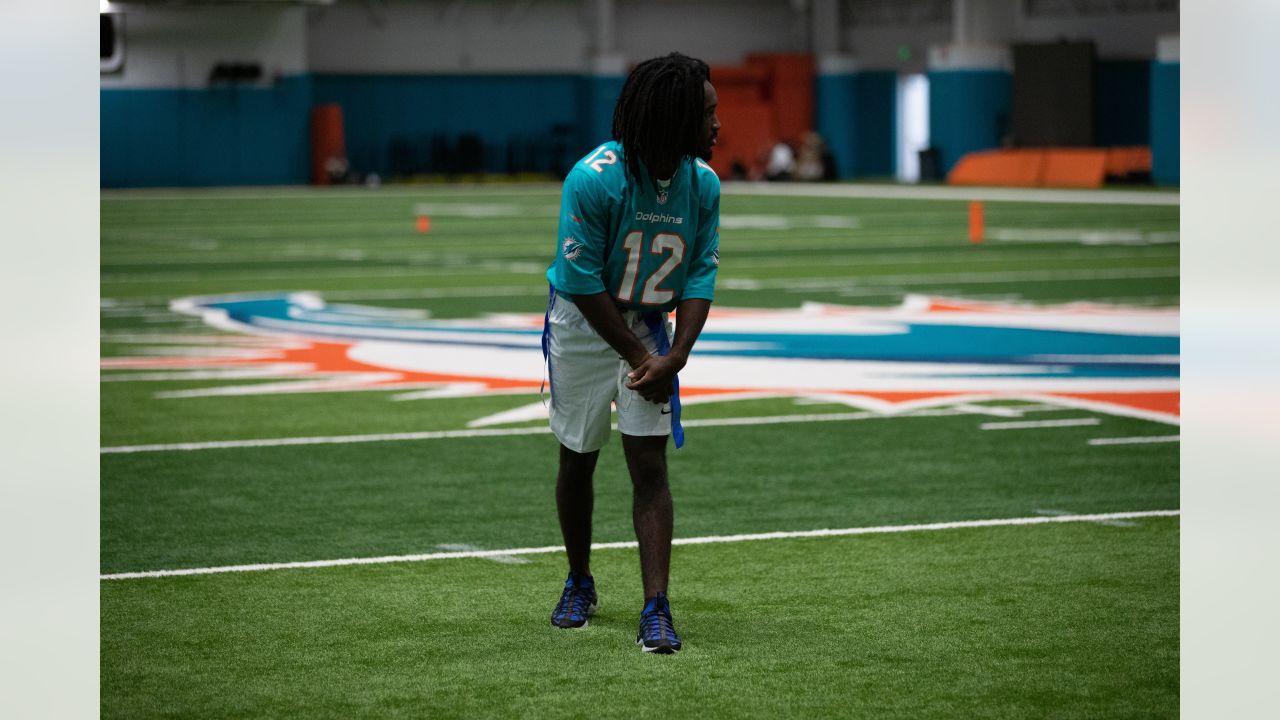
[[516, 552], [1027, 424], [325, 440], [1064, 513], [969, 278], [832, 190], [934, 192], [1139, 440], [503, 432], [305, 192]]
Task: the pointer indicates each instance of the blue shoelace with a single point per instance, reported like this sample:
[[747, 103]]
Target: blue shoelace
[[574, 602], [657, 625]]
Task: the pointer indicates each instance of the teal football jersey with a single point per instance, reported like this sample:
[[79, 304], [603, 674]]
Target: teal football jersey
[[648, 247]]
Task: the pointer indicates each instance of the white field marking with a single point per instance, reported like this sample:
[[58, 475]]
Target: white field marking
[[250, 373], [147, 315], [222, 352], [539, 430], [1117, 359], [794, 189], [1028, 424], [335, 382], [486, 210], [324, 440], [973, 278], [1082, 236], [707, 540], [994, 410], [500, 432], [504, 559], [481, 268], [539, 410], [881, 409], [853, 258], [989, 194], [1112, 523], [1103, 408], [430, 293], [328, 194], [789, 222], [1138, 440], [161, 338]]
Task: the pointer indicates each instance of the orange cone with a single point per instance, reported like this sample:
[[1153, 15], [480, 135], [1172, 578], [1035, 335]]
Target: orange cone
[[976, 222], [424, 223]]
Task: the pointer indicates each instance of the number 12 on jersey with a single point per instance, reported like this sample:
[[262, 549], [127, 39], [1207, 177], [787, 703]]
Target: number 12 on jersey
[[661, 244]]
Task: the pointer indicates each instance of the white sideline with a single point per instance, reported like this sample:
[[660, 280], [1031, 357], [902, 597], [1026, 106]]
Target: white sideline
[[1138, 440], [501, 432], [951, 192], [780, 535], [1024, 424]]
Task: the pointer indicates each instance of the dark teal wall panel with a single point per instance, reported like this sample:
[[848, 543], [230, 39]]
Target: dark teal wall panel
[[968, 111], [409, 124], [857, 117], [215, 136], [1122, 102], [1165, 118], [600, 96], [837, 119], [877, 123]]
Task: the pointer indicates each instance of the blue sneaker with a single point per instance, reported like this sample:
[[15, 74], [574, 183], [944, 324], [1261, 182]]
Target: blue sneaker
[[657, 634], [577, 602]]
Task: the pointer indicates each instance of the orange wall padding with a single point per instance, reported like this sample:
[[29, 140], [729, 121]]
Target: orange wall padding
[[767, 99], [1049, 167], [327, 140], [1017, 168], [1123, 161], [1075, 168]]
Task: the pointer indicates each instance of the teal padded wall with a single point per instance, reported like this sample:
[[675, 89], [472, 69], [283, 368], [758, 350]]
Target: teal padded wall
[[1122, 102], [261, 136], [600, 95], [836, 104], [1165, 150], [857, 117], [968, 111], [215, 136], [877, 123], [519, 119]]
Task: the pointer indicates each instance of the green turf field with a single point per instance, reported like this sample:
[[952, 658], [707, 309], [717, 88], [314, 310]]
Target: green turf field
[[1075, 619]]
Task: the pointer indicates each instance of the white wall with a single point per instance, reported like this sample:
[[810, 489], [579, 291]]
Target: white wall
[[448, 36], [877, 47], [1120, 36], [177, 46], [717, 31]]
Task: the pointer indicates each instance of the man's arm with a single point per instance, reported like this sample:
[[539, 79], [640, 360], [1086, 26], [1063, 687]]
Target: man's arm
[[653, 377], [607, 321]]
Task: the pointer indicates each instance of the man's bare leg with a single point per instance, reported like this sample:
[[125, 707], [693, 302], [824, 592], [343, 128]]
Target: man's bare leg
[[651, 511], [575, 500]]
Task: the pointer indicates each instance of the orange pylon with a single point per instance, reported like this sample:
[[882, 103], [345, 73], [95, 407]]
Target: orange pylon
[[976, 222]]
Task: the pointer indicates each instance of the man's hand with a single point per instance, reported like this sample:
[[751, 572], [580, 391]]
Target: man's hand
[[654, 378]]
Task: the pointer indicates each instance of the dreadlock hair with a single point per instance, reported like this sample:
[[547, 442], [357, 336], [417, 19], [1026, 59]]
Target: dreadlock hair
[[658, 118]]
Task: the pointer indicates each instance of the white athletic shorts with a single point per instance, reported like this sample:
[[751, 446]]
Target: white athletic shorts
[[587, 376]]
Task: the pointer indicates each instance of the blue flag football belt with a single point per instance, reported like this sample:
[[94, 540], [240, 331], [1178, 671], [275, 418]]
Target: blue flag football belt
[[652, 320]]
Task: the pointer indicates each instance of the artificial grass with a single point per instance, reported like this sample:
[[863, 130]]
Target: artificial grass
[[216, 507], [1067, 621], [1062, 621]]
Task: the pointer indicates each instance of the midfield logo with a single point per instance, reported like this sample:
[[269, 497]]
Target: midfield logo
[[926, 352]]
